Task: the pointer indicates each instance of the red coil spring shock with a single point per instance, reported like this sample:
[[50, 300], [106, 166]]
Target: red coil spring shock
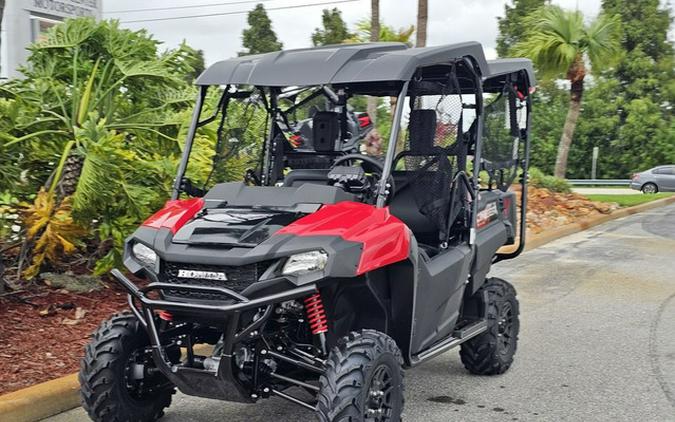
[[165, 315], [318, 322]]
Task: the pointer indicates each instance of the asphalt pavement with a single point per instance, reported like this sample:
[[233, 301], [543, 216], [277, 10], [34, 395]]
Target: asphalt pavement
[[597, 340]]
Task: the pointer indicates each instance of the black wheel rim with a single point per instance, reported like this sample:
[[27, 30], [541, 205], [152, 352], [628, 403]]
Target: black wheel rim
[[381, 395], [140, 388], [505, 328]]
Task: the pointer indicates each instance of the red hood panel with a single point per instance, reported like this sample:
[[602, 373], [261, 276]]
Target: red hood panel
[[385, 238], [175, 214]]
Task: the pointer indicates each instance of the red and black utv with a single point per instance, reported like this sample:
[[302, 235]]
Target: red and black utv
[[325, 272]]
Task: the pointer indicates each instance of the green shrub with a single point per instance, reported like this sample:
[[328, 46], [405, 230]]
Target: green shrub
[[540, 180]]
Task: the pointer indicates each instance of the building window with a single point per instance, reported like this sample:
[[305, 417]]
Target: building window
[[40, 25]]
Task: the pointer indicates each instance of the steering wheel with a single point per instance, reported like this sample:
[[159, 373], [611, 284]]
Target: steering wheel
[[369, 165]]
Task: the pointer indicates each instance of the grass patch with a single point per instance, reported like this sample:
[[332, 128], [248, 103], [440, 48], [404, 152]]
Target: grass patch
[[626, 186], [628, 200]]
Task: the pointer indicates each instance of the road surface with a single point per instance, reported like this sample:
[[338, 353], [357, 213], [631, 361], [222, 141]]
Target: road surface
[[606, 191], [597, 340]]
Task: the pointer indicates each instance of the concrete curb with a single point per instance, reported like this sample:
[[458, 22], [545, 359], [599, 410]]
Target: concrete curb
[[537, 240], [56, 396]]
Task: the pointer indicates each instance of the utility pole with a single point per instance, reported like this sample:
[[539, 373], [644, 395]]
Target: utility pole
[[594, 164]]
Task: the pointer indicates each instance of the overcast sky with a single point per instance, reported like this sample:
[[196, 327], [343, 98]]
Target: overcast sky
[[220, 36]]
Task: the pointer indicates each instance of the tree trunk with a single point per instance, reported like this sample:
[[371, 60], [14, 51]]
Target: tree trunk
[[422, 14], [573, 112], [70, 175], [374, 20], [374, 37]]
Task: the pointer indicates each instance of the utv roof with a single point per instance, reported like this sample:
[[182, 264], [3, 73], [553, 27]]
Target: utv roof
[[505, 66], [337, 64]]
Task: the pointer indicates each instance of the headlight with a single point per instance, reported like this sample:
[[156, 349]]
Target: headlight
[[145, 255], [305, 262]]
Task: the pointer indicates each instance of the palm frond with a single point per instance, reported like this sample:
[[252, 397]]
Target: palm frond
[[559, 38], [603, 43]]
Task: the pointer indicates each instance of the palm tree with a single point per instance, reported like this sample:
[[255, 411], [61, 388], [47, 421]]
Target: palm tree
[[375, 20], [422, 15], [364, 33], [559, 43]]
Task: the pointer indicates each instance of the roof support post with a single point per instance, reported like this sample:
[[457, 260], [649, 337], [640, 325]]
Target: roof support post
[[525, 164], [188, 142], [478, 148], [384, 190]]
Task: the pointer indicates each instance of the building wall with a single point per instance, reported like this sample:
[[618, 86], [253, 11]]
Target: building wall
[[24, 21]]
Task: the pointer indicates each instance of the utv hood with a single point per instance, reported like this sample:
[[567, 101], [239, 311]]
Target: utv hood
[[242, 227], [235, 225]]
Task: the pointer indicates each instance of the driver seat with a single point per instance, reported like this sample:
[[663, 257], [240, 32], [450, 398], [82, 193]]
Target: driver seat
[[325, 133], [405, 204]]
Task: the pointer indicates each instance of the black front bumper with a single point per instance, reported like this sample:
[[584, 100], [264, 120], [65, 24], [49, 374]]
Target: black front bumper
[[199, 382]]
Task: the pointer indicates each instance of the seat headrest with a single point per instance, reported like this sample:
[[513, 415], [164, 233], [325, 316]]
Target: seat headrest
[[422, 131], [325, 130]]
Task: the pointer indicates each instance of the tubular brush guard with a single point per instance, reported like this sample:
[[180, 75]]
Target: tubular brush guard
[[201, 382]]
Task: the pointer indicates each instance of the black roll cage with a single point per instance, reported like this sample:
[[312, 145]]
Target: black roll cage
[[471, 183]]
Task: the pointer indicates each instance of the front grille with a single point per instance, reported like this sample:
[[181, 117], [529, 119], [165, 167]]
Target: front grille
[[238, 279]]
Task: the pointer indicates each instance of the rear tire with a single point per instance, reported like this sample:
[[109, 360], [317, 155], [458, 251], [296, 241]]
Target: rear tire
[[107, 390], [650, 188], [363, 380], [491, 352]]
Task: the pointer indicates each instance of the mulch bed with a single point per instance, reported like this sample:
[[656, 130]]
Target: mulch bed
[[43, 332], [546, 209]]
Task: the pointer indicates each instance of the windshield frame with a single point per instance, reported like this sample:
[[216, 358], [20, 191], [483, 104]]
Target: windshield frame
[[270, 98]]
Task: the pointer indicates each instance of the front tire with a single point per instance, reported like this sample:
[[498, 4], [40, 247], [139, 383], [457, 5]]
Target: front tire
[[108, 389], [650, 188], [363, 380], [491, 352]]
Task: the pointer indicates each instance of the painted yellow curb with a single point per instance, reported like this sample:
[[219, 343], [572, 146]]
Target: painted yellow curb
[[41, 400], [56, 396]]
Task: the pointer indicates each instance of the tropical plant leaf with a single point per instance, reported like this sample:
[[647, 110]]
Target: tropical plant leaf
[[177, 96], [52, 229], [68, 36], [107, 93], [85, 96], [104, 159], [146, 69]]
